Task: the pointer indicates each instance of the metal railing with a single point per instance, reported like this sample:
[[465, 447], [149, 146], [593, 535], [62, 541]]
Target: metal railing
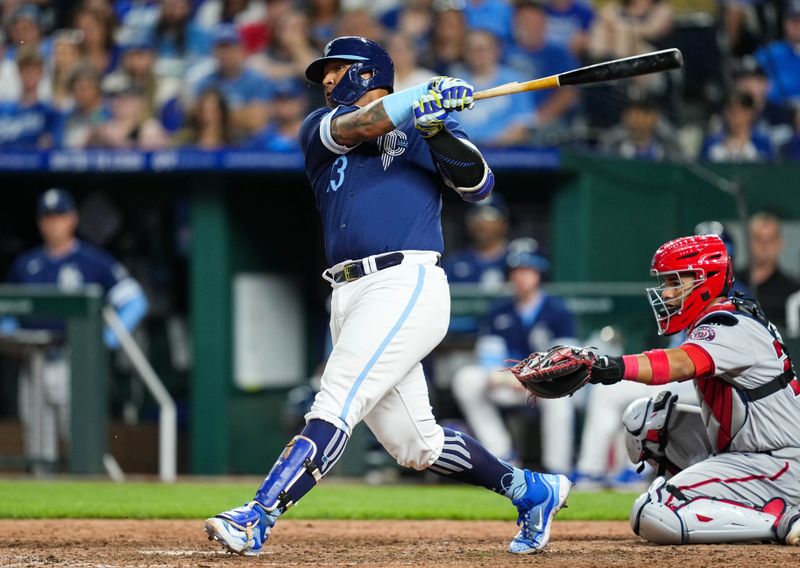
[[168, 416]]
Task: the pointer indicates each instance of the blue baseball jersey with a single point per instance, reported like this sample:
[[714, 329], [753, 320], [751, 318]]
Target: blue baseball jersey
[[84, 265], [468, 267], [492, 117], [781, 60], [22, 126], [249, 86], [563, 24], [379, 196], [550, 59], [535, 328]]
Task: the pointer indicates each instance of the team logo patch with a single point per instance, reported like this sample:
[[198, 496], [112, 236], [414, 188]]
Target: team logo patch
[[391, 146], [703, 333]]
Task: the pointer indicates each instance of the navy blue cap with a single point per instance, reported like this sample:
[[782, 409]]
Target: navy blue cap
[[29, 12], [226, 33], [492, 206], [55, 201], [527, 253]]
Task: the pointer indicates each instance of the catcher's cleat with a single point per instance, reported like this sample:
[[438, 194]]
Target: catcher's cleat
[[535, 518], [243, 530], [788, 527]]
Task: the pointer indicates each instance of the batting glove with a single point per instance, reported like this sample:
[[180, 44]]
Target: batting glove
[[429, 114], [455, 93]]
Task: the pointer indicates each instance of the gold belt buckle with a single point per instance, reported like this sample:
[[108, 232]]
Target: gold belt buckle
[[350, 272]]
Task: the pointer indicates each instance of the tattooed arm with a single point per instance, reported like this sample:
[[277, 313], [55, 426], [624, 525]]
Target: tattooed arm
[[361, 125]]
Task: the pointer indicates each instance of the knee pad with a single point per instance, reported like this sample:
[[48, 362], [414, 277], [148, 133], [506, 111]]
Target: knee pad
[[654, 521], [701, 520]]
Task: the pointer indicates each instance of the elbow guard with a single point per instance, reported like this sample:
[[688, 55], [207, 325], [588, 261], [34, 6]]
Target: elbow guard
[[462, 166]]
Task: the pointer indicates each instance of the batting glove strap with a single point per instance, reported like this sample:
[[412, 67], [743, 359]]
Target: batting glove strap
[[429, 114]]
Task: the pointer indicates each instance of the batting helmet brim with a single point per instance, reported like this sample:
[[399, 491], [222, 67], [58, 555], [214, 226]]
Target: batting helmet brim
[[315, 72]]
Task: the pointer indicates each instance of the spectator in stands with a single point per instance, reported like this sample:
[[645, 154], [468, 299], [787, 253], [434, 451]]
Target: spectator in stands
[[25, 28], [569, 23], [9, 76], [258, 34], [98, 39], [531, 320], [483, 260], [289, 108], [66, 58], [448, 39], [211, 13], [130, 125], [137, 67], [208, 127], [773, 117], [781, 59], [407, 72], [534, 56], [643, 133], [29, 122], [359, 22], [499, 121], [492, 15], [413, 18], [738, 141], [767, 281], [290, 51], [88, 111], [65, 261], [630, 27], [322, 15], [177, 36], [247, 93]]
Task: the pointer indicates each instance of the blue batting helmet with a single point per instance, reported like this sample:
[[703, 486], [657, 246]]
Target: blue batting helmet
[[366, 57], [527, 253]]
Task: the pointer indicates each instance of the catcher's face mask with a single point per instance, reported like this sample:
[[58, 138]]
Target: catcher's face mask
[[670, 299]]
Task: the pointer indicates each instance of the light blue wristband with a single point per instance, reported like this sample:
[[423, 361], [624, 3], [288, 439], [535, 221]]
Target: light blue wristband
[[399, 105]]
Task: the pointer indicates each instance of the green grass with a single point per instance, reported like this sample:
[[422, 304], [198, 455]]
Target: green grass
[[91, 499]]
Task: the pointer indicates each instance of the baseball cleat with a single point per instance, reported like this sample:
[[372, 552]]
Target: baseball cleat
[[243, 530], [535, 519], [788, 527]]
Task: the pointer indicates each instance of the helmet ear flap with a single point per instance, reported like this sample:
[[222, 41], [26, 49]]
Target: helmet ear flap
[[728, 277]]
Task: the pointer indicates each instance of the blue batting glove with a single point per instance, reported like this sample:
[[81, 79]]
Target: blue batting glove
[[429, 114], [456, 94]]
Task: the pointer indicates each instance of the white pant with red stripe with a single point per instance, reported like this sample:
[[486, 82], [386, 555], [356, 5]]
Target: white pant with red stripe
[[727, 497]]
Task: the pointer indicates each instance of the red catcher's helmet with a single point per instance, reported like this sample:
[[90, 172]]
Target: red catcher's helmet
[[706, 259]]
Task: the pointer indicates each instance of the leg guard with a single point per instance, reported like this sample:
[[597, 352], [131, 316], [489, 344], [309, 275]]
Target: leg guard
[[296, 459], [701, 520]]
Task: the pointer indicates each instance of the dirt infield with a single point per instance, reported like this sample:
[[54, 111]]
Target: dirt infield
[[182, 544]]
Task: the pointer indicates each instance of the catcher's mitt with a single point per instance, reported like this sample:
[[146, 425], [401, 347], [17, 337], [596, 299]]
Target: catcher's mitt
[[558, 372]]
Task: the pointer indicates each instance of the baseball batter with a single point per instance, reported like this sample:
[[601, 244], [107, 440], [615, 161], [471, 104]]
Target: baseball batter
[[377, 161], [742, 483]]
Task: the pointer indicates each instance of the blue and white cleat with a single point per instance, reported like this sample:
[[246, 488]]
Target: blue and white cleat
[[243, 530], [535, 518]]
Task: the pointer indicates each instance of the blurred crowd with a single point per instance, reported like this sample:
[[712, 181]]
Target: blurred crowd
[[213, 74]]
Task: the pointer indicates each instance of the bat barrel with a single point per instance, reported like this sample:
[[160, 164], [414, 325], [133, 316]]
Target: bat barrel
[[623, 68]]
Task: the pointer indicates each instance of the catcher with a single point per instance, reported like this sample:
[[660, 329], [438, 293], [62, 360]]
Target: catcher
[[740, 480]]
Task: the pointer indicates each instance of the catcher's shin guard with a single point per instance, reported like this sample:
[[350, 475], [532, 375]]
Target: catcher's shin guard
[[701, 520], [296, 459]]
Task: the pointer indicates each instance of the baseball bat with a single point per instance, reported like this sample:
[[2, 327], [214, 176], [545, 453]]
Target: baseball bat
[[605, 71]]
